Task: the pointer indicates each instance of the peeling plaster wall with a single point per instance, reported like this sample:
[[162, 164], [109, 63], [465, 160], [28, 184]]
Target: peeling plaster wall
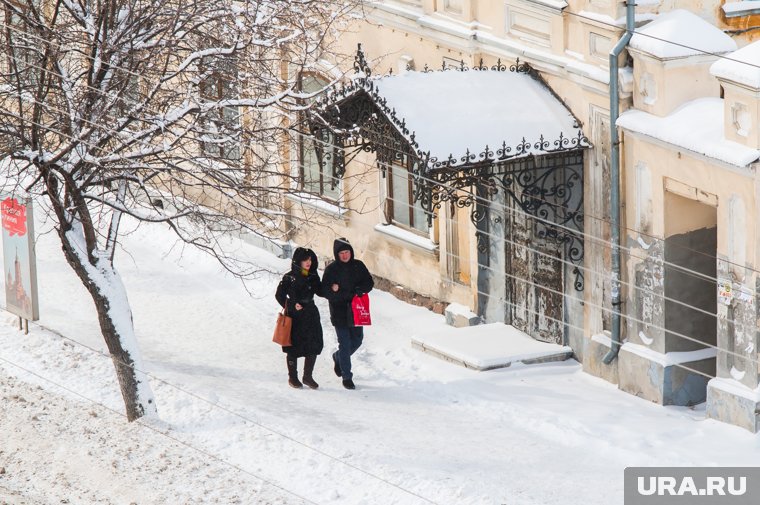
[[678, 200], [492, 281], [647, 327], [738, 318], [661, 86]]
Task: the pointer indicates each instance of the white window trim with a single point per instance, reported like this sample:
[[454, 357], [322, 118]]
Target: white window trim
[[315, 202], [407, 237]]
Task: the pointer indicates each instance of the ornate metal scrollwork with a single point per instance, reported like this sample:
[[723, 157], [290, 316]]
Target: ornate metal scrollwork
[[361, 67], [547, 188], [543, 177], [520, 67]]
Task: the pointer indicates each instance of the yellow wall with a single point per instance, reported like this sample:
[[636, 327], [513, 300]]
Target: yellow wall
[[742, 114], [570, 53], [409, 265], [690, 176], [660, 86]]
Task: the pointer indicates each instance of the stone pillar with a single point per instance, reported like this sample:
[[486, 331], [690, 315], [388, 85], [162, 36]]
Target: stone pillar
[[660, 365], [492, 281], [733, 396]]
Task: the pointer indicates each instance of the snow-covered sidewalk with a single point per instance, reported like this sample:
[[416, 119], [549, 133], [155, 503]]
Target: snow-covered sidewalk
[[417, 429], [54, 449]]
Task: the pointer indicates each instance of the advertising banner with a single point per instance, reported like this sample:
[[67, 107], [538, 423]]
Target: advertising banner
[[19, 258]]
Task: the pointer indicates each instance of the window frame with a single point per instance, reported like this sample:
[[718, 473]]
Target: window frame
[[222, 83], [406, 164], [29, 74], [326, 168], [453, 6]]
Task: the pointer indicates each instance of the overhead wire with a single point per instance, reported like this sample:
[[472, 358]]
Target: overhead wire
[[154, 429], [581, 267], [586, 235], [540, 198], [548, 289], [233, 413], [588, 303], [584, 268]]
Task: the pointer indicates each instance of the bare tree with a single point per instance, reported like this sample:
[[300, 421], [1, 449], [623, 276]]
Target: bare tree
[[169, 111]]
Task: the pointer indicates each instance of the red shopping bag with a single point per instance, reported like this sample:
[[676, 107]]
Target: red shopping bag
[[360, 309]]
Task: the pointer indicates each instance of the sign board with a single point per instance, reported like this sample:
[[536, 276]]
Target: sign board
[[19, 259], [725, 292], [745, 294]]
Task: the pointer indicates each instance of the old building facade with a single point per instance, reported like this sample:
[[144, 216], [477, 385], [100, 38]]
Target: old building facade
[[687, 187], [691, 223]]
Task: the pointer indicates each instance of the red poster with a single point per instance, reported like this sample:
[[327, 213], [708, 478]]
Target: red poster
[[14, 217]]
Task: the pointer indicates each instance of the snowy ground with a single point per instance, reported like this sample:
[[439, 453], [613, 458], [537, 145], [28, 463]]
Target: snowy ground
[[417, 430]]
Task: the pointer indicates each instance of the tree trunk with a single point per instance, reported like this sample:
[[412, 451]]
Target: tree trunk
[[115, 317]]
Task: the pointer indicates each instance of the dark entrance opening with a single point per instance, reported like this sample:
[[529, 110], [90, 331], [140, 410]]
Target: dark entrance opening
[[690, 284]]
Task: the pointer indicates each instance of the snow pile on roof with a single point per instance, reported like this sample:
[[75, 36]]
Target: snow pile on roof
[[452, 111], [696, 126], [680, 33], [742, 66]]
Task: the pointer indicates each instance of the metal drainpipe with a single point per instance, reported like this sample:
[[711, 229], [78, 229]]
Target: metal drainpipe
[[615, 179]]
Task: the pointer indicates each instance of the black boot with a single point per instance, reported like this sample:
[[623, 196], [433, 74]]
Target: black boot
[[293, 373], [336, 365], [308, 369], [348, 384]]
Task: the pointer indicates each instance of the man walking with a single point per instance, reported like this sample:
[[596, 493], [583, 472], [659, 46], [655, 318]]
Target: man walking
[[343, 279]]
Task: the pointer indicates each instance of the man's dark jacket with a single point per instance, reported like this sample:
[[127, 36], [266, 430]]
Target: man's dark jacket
[[352, 278]]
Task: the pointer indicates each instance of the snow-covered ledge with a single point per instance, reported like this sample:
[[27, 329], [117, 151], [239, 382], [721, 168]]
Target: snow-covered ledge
[[738, 9], [554, 4], [315, 202], [670, 358], [407, 237], [479, 37]]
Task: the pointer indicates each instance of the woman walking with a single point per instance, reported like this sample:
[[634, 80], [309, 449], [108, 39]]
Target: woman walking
[[296, 293]]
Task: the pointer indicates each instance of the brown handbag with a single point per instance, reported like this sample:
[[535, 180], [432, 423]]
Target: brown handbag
[[282, 329]]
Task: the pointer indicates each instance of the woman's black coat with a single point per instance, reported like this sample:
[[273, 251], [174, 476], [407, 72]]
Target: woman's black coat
[[295, 287]]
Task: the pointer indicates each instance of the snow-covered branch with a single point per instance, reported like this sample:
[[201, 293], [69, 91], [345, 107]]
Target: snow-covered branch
[[168, 112]]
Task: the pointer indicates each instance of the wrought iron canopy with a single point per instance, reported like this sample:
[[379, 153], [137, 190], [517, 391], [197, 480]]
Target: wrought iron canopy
[[551, 191]]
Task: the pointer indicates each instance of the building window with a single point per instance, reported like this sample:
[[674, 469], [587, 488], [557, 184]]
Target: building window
[[220, 137], [128, 86], [23, 58], [454, 6], [402, 208], [317, 155]]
